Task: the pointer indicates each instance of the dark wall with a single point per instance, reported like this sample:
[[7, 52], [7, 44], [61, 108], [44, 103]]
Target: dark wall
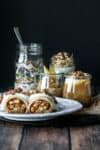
[[66, 25]]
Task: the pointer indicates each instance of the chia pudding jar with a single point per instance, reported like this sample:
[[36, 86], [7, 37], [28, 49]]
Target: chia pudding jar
[[29, 63]]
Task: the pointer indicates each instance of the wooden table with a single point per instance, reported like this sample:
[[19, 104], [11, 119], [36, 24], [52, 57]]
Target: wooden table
[[16, 136]]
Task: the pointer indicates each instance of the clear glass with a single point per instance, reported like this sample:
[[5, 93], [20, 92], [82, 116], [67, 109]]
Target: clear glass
[[64, 70], [62, 62], [51, 83], [29, 64], [78, 89]]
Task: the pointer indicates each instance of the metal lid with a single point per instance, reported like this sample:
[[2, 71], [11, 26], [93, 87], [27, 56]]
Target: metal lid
[[35, 48]]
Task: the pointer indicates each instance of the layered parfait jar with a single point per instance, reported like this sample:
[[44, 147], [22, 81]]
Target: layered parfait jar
[[62, 62]]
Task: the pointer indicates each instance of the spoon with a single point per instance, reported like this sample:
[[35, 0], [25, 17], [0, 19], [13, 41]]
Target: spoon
[[18, 35]]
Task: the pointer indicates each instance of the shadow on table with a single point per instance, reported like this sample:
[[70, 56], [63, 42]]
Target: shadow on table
[[70, 120]]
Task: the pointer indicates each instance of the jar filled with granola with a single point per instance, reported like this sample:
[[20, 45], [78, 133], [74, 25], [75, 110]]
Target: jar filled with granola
[[29, 64], [62, 62], [78, 86]]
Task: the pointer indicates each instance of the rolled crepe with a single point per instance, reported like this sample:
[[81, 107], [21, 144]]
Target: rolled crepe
[[41, 103], [17, 103]]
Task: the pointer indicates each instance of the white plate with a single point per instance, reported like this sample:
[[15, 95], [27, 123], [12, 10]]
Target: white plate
[[66, 106]]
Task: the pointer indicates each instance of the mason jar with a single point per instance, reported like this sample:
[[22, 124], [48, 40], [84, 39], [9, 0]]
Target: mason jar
[[29, 63], [77, 86]]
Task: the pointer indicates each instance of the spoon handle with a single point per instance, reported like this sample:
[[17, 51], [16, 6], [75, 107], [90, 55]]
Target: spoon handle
[[18, 35]]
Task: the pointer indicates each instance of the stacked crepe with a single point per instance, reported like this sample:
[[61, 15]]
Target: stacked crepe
[[35, 103]]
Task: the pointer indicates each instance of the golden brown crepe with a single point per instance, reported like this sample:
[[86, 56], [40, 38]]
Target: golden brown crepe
[[15, 103], [41, 103]]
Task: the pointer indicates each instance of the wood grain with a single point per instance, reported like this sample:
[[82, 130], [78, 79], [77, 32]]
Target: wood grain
[[45, 139], [10, 135], [85, 138]]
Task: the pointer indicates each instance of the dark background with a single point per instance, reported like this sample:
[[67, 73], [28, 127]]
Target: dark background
[[66, 25]]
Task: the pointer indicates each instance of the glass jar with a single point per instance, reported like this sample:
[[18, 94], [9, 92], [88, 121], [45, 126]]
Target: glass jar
[[51, 83], [62, 62], [29, 64], [78, 88]]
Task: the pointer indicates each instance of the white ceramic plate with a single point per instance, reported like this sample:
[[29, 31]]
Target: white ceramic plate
[[66, 106]]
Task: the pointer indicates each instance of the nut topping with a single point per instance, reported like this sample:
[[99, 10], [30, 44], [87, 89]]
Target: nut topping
[[39, 106], [16, 106]]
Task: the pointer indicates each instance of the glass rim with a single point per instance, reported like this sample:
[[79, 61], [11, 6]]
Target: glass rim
[[50, 74], [86, 75], [30, 43]]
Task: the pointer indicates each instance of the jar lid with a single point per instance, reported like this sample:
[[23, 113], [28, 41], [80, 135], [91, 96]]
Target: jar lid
[[35, 48]]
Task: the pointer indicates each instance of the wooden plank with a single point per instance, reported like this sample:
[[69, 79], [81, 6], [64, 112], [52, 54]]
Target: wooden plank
[[45, 139], [10, 136], [85, 138]]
